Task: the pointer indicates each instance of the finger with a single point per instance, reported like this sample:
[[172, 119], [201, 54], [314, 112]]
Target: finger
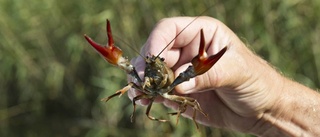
[[220, 72], [165, 36], [139, 64], [167, 31], [170, 104], [187, 86], [216, 77], [231, 72]]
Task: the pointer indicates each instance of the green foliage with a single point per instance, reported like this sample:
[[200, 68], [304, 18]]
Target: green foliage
[[52, 80]]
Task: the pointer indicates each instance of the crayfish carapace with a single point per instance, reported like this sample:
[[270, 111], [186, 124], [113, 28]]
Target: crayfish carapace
[[159, 79]]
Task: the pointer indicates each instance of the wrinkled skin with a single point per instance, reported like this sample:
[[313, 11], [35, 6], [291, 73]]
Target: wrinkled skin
[[231, 99]]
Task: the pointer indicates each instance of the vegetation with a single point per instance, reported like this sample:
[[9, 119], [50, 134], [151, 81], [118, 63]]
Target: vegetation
[[52, 81]]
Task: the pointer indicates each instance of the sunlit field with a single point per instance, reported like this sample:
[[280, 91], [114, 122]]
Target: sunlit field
[[51, 80]]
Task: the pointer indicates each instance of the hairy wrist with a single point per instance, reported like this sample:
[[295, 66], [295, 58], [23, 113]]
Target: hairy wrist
[[294, 113]]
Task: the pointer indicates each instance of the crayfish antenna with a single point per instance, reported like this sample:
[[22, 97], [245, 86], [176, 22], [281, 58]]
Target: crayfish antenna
[[202, 63]]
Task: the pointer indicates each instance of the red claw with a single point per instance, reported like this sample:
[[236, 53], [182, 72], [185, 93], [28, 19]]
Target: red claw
[[202, 63], [110, 52]]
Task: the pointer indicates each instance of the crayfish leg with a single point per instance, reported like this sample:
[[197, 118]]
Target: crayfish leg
[[148, 112], [184, 102], [182, 109], [108, 98], [121, 91], [143, 96]]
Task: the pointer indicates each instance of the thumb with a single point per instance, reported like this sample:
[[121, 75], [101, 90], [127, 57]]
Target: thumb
[[196, 84], [186, 87]]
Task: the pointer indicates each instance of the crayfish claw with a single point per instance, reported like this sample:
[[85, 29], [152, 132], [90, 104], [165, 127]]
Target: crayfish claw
[[109, 52], [202, 63], [159, 78]]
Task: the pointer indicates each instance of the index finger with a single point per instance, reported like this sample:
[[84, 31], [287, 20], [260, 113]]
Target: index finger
[[171, 35]]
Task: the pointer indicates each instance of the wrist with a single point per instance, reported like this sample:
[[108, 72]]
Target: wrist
[[294, 113]]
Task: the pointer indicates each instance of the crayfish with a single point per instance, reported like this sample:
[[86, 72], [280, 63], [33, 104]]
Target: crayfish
[[158, 79]]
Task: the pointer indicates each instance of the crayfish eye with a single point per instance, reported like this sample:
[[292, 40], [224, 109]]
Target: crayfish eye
[[148, 60], [162, 59]]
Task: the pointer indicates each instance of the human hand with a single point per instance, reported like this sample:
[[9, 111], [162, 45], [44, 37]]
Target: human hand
[[235, 92]]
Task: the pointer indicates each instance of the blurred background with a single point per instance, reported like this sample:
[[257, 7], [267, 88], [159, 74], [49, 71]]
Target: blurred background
[[51, 80]]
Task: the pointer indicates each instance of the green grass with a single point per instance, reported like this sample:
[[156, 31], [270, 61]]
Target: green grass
[[52, 80]]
